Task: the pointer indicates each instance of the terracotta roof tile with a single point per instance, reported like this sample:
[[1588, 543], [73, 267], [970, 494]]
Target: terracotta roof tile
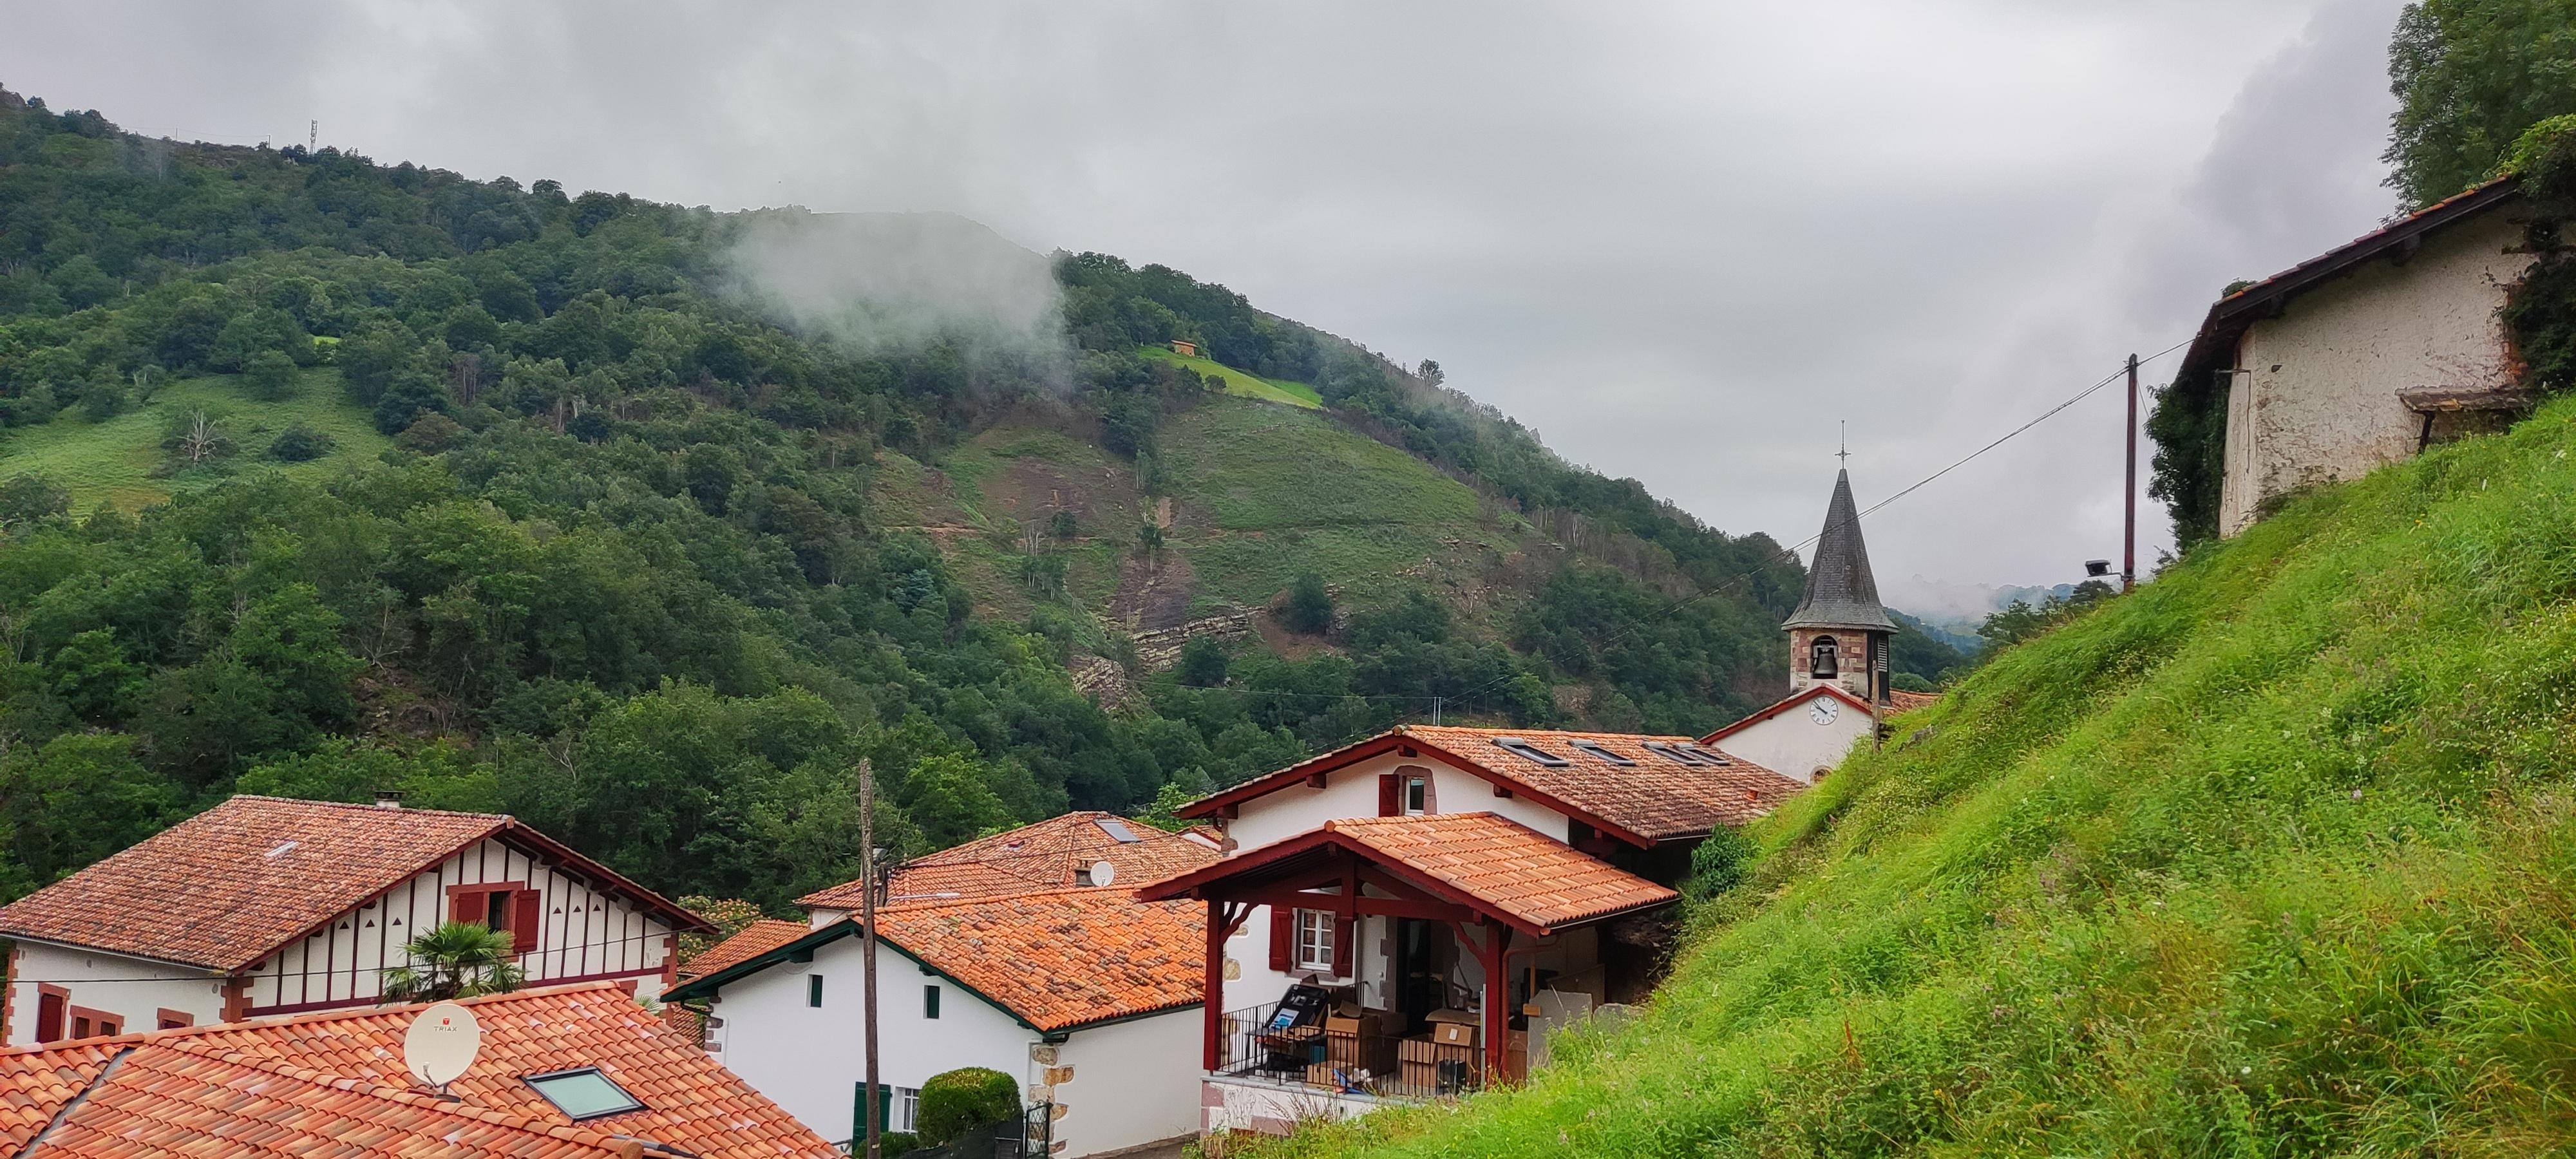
[[1643, 792], [1486, 862], [256, 874], [1653, 796], [335, 1084], [1903, 701], [1061, 959], [1043, 856], [168, 1099], [753, 940]]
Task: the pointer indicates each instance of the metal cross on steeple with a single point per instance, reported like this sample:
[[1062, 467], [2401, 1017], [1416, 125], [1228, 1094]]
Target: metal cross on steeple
[[1845, 453]]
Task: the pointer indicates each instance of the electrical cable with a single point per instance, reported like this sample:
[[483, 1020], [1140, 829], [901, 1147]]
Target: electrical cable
[[1790, 553]]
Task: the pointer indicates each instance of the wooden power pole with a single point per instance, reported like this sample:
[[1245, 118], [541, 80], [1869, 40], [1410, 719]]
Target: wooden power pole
[[869, 1105], [2129, 494]]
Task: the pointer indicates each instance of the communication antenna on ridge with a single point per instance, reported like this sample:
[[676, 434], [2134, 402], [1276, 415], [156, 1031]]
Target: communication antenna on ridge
[[313, 137]]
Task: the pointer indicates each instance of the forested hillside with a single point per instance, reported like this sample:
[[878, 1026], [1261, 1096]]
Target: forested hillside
[[321, 476]]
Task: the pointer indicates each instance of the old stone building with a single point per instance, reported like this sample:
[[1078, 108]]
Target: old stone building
[[2366, 354]]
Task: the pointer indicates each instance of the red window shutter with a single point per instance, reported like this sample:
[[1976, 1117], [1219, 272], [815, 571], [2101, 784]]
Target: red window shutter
[[1283, 937], [1345, 932], [465, 905], [527, 913], [1390, 795]]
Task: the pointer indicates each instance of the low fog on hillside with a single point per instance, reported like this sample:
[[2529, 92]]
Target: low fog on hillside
[[900, 280]]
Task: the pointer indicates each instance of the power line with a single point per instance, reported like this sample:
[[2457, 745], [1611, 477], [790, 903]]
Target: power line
[[1791, 552]]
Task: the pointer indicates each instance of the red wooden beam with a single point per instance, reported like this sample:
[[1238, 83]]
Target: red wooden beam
[[1214, 1005], [1389, 907]]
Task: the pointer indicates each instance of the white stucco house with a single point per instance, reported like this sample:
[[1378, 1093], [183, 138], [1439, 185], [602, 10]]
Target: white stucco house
[[2366, 354], [1435, 884], [1025, 952], [263, 906]]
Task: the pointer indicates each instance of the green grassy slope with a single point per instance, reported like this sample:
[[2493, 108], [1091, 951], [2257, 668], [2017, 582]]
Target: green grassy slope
[[119, 460], [2276, 856], [1259, 493], [1239, 383]]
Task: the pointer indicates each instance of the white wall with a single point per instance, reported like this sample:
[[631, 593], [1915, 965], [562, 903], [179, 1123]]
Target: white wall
[[1132, 1082], [2346, 348], [1352, 792], [810, 1061], [1791, 743], [102, 981], [585, 933]]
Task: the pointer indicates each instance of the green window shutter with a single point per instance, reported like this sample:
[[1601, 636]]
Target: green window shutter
[[859, 1111]]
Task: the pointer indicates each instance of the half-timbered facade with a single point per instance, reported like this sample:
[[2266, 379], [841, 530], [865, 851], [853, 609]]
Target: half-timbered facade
[[263, 906]]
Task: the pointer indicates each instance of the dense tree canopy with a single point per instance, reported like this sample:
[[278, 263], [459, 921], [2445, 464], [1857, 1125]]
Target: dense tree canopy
[[621, 572], [2470, 76]]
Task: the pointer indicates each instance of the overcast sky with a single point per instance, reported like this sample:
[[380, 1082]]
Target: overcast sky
[[1684, 241]]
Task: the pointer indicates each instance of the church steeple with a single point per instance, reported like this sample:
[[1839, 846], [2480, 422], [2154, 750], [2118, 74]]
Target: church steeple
[[1839, 633]]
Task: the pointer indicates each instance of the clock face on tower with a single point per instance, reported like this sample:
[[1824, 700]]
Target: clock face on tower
[[1824, 709]]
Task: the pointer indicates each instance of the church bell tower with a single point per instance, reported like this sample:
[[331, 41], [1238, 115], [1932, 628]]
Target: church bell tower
[[1840, 632]]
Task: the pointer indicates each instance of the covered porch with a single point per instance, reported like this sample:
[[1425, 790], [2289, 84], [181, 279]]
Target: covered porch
[[1442, 949]]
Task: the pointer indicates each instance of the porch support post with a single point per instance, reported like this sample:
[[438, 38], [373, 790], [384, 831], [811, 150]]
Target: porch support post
[[1215, 1005], [1498, 993]]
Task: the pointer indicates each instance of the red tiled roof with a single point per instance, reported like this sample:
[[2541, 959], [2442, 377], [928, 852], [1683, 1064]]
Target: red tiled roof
[[1063, 959], [227, 887], [1651, 798], [290, 1086], [753, 940], [1043, 856], [1488, 863], [1505, 865], [1903, 701], [170, 1100]]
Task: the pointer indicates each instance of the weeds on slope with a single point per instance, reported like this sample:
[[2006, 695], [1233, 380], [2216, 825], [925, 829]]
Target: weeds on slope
[[2273, 857]]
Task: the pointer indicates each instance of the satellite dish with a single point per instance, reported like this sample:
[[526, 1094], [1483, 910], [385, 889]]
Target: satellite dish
[[1102, 873], [441, 1043]]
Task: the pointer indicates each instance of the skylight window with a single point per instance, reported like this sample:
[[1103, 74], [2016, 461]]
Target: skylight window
[[1529, 752], [1596, 748], [1686, 753], [584, 1094], [1117, 829]]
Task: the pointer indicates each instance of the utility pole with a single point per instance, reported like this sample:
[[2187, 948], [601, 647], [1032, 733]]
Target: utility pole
[[2129, 493], [869, 1104]]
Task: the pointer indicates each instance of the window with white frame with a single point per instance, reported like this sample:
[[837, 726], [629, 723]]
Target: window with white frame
[[1315, 929], [1417, 796], [907, 1108]]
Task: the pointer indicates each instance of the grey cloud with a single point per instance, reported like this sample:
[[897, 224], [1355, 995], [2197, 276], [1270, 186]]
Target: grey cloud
[[1682, 240]]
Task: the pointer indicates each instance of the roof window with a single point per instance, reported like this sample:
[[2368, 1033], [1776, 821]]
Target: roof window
[[584, 1094], [1529, 752], [1117, 829], [1686, 753], [1596, 748]]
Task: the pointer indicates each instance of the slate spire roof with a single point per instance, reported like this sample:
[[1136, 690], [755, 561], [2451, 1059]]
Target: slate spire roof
[[1840, 591]]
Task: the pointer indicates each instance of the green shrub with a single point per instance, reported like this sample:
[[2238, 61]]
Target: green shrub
[[270, 375], [299, 443], [968, 1097], [1719, 863], [1310, 606], [896, 1143]]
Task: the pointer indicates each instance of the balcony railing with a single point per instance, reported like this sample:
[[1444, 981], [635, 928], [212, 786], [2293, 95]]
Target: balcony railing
[[1346, 1060]]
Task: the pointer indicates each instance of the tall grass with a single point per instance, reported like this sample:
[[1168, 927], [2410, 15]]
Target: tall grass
[[2276, 856]]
